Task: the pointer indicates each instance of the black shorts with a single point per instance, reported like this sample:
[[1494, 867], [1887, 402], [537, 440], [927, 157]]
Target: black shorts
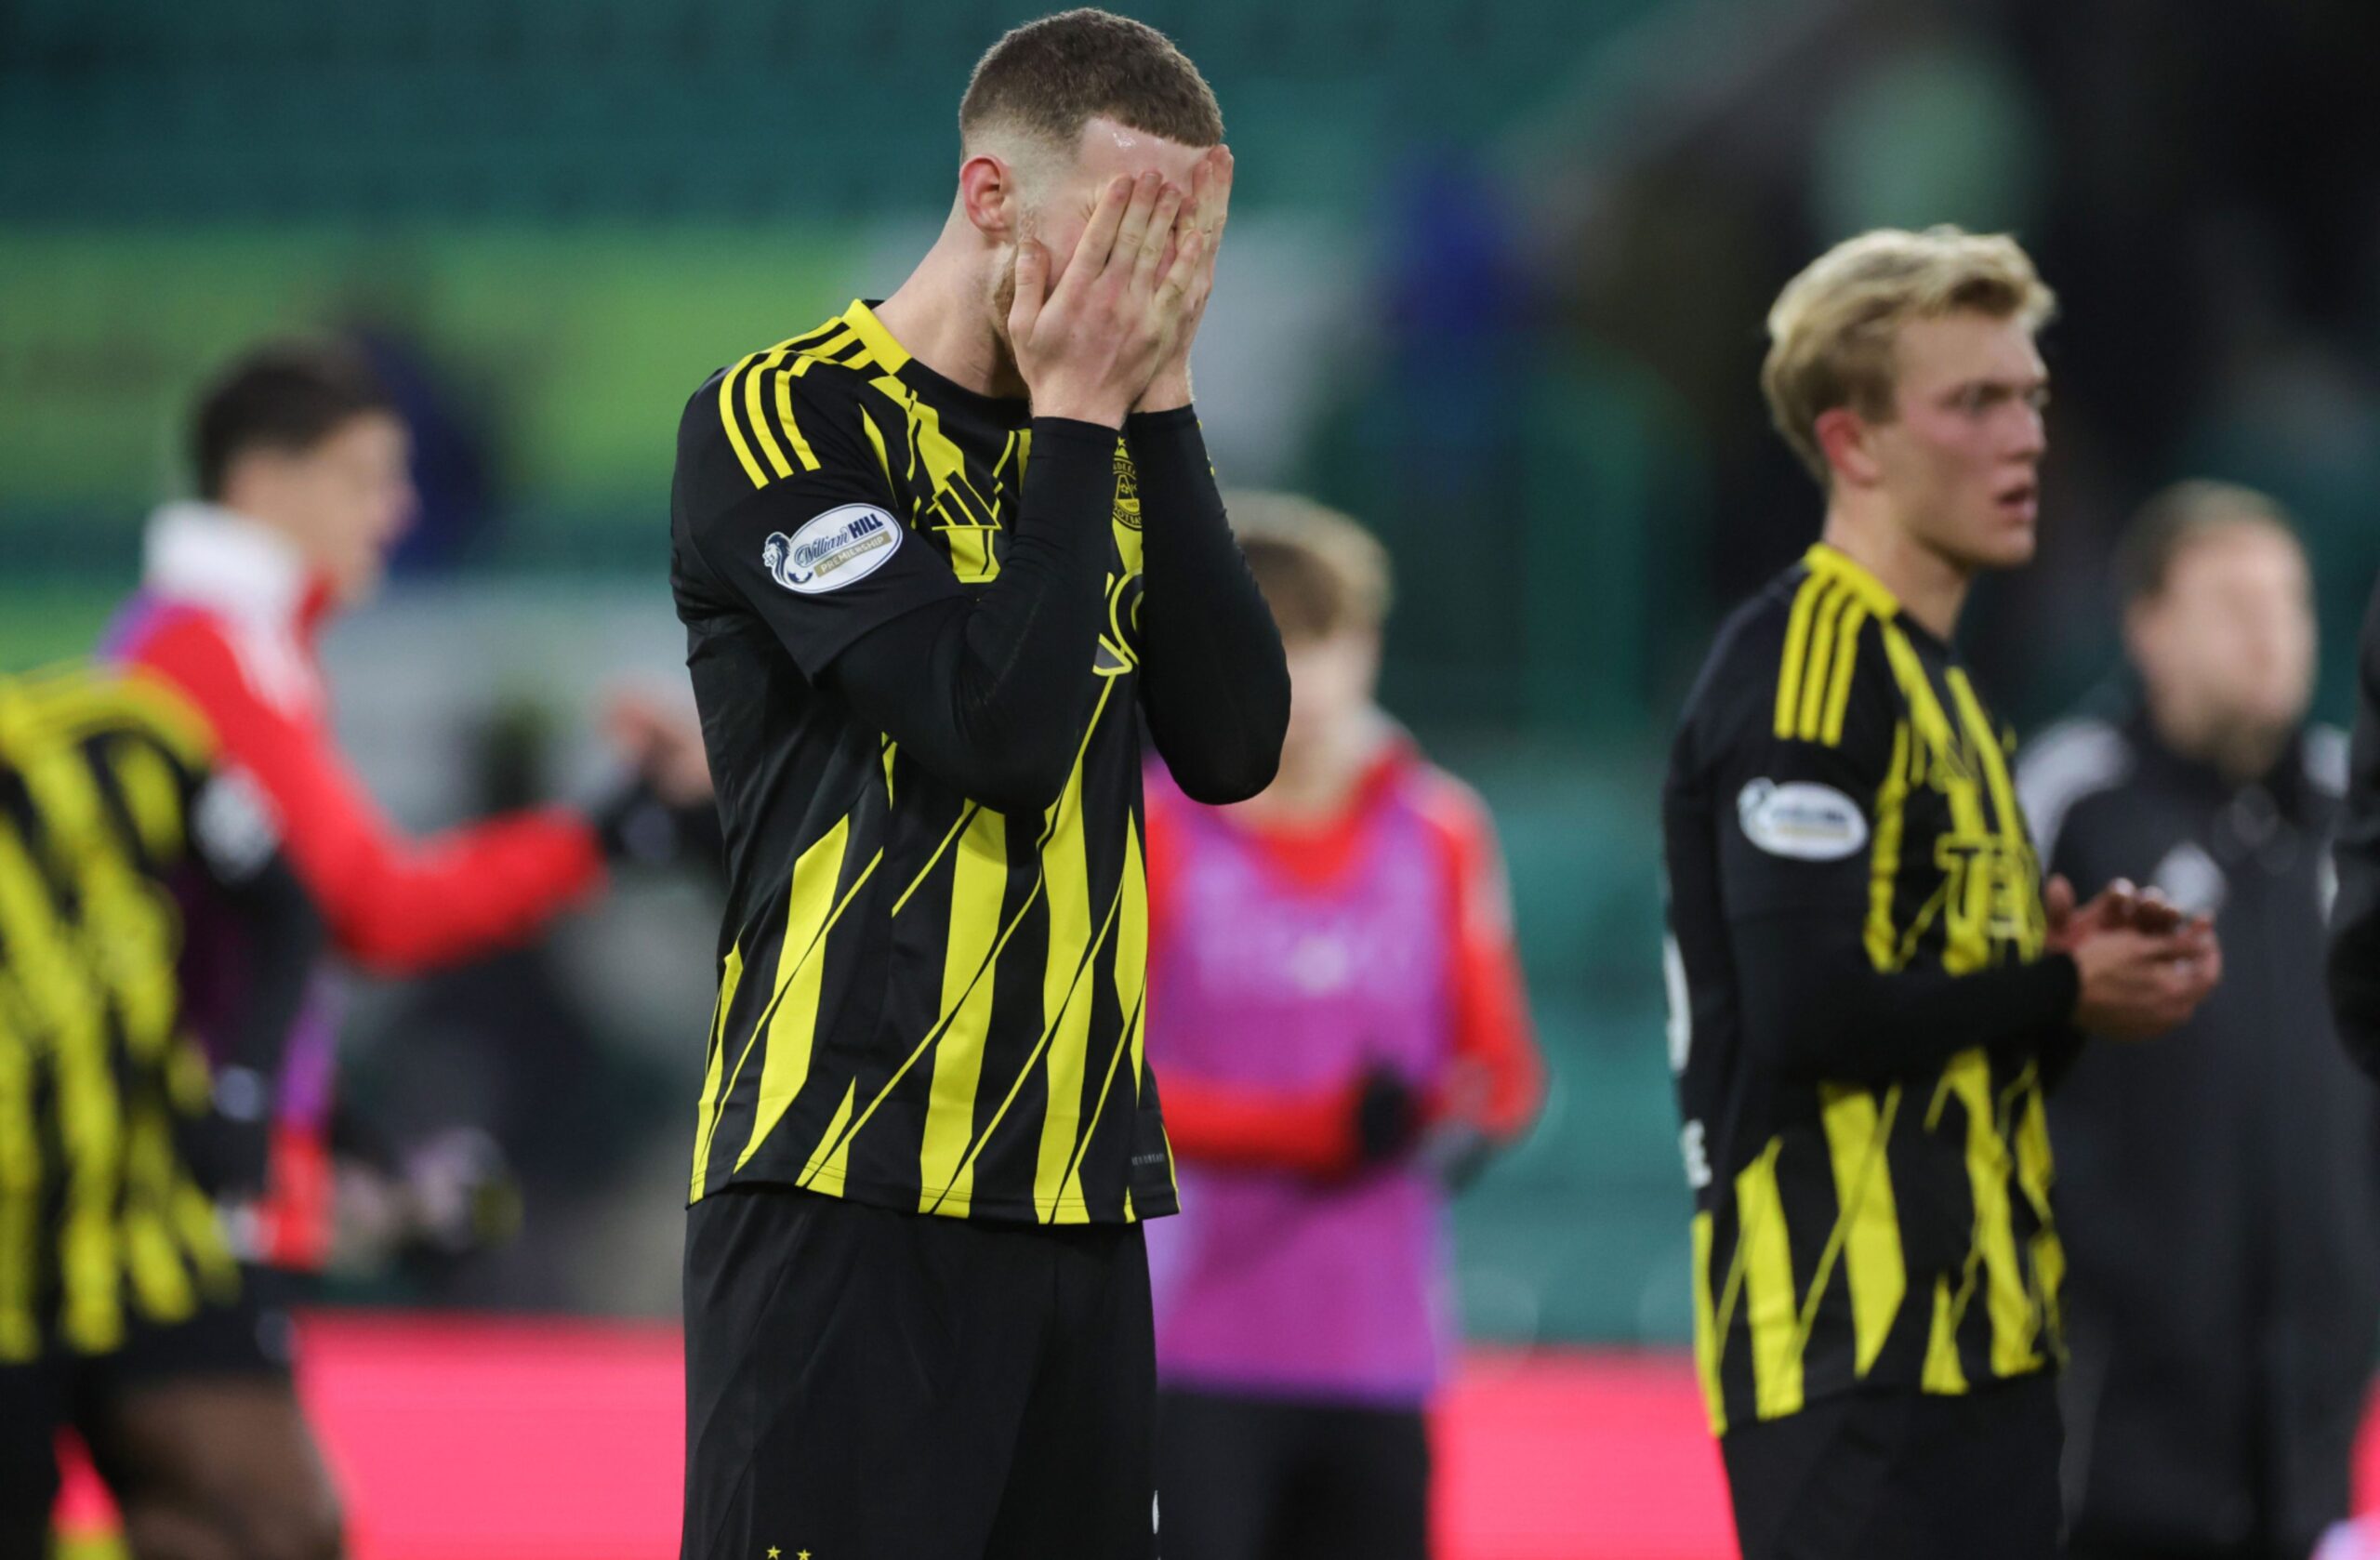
[[252, 1335], [866, 1384], [248, 1337], [1901, 1475], [1257, 1478], [32, 1409]]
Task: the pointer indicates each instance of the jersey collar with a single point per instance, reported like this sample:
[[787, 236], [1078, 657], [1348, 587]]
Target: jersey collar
[[211, 557], [875, 337], [1838, 564]]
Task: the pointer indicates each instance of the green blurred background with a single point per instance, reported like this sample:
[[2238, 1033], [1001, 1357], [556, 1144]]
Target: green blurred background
[[1495, 286]]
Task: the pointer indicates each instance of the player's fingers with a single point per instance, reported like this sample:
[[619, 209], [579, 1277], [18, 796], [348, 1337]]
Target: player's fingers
[[1133, 229], [1099, 239], [1032, 284], [2057, 901], [1159, 232], [1219, 191], [1175, 285]]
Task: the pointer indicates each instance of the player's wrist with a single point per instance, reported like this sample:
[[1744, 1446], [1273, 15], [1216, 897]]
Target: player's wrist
[[1169, 391], [1105, 407]]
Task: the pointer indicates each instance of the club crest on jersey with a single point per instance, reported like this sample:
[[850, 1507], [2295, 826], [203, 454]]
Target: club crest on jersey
[[1800, 820], [841, 546], [1127, 490]]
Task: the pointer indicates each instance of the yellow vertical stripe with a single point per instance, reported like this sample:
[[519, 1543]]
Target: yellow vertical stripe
[[1985, 744], [1943, 1373], [792, 1023], [1706, 1329], [2006, 1301], [128, 932], [979, 877], [1968, 930], [160, 1282], [54, 976], [1131, 970], [1869, 1223], [1797, 645], [20, 1191], [1810, 712], [1884, 855], [734, 431], [1065, 1005], [1846, 666], [2034, 1173], [1770, 1310], [801, 450], [2024, 920], [830, 1161], [706, 1110], [769, 445], [195, 1221], [151, 795]]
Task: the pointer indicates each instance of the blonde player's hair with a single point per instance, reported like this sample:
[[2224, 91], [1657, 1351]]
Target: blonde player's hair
[[1321, 573], [1831, 331]]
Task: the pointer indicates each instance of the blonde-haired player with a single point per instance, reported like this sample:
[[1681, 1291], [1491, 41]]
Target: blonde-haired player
[[1871, 987]]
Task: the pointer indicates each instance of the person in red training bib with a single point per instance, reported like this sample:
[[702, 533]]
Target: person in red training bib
[[300, 463], [1338, 1011]]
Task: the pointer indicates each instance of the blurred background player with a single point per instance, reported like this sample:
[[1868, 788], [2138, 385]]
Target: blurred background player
[[1872, 989], [300, 465], [2216, 1381], [113, 1145], [1338, 1014]]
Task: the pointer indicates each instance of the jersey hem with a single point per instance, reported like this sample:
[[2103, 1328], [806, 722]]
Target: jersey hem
[[1828, 1395], [1160, 1202]]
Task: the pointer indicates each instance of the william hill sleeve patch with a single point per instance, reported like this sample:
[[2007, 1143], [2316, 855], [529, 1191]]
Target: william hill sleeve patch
[[1800, 820], [835, 549]]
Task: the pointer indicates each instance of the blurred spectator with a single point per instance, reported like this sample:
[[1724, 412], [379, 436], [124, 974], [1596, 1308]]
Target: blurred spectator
[[300, 462], [112, 804], [2217, 1377], [510, 1052], [1341, 1037]]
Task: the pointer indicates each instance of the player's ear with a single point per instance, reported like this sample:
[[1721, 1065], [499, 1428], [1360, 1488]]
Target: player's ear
[[1842, 434], [987, 192]]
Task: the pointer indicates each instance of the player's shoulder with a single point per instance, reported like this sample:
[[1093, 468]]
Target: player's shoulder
[[781, 410], [1446, 802], [74, 704], [1791, 660], [2064, 767]]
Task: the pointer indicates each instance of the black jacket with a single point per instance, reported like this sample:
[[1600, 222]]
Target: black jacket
[[2355, 920], [2216, 1187]]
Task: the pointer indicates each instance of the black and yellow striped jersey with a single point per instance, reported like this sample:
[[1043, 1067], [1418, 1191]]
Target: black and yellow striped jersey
[[924, 1003], [1861, 1013], [107, 800]]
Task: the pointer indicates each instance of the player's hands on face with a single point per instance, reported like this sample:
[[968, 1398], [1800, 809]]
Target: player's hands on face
[[1088, 348], [1207, 209]]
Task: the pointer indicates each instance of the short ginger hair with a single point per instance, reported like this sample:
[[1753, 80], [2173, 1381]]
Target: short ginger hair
[[1320, 572], [1831, 332], [1050, 78]]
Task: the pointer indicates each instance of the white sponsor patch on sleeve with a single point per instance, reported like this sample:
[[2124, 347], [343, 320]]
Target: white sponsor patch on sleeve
[[841, 546], [1802, 819]]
